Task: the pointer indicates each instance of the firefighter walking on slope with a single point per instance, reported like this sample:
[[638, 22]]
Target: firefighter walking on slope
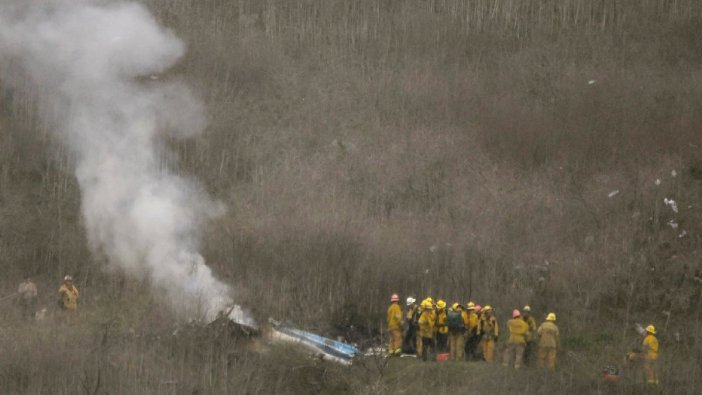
[[68, 298], [394, 321]]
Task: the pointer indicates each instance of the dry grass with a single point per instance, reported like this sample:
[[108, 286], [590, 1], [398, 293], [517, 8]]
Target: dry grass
[[433, 147]]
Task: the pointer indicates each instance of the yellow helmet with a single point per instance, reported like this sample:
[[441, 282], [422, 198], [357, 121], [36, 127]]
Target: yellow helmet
[[651, 329], [527, 308], [426, 305], [487, 308], [471, 306], [455, 306], [551, 317], [441, 304]]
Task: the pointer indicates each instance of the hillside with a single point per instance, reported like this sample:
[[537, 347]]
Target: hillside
[[509, 152]]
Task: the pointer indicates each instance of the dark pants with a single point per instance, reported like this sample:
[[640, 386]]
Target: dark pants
[[427, 344], [28, 308], [409, 345], [472, 352], [528, 353], [442, 342]]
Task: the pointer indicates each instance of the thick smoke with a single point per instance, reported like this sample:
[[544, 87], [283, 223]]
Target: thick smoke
[[91, 62]]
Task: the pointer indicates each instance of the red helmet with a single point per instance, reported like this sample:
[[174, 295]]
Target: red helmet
[[395, 298], [516, 313]]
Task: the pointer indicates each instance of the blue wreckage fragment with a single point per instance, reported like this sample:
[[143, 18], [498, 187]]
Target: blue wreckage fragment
[[329, 349]]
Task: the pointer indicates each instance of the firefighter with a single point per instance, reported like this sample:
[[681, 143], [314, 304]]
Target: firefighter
[[426, 305], [411, 316], [472, 335], [548, 342], [394, 320], [27, 293], [426, 329], [531, 333], [518, 329], [489, 332], [456, 321], [441, 329], [432, 313], [650, 355], [68, 295]]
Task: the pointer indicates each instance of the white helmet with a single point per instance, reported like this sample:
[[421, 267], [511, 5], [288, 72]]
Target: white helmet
[[410, 301]]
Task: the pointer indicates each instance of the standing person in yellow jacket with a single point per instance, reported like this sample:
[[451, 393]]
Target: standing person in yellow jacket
[[395, 326], [531, 334], [426, 304], [68, 299], [518, 329], [650, 355], [441, 329], [489, 331], [548, 342], [456, 321], [426, 329], [69, 295], [472, 336]]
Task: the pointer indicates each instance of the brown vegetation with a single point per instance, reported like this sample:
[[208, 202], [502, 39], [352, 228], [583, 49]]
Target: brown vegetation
[[429, 147]]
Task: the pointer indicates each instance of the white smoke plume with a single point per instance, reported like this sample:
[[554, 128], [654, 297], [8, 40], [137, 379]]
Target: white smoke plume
[[89, 60]]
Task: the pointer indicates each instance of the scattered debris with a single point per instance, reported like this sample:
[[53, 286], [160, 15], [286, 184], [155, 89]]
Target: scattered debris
[[682, 234], [613, 193], [673, 224], [674, 173], [658, 181], [225, 322], [591, 82], [376, 352], [671, 203]]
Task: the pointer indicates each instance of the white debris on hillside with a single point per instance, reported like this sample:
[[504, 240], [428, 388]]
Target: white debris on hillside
[[671, 203]]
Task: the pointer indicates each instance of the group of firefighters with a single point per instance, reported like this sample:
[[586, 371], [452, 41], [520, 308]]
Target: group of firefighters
[[28, 296], [470, 331]]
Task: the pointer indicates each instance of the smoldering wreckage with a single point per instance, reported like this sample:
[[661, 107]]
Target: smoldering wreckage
[[273, 331]]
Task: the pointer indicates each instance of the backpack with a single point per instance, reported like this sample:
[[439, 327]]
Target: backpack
[[454, 321]]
